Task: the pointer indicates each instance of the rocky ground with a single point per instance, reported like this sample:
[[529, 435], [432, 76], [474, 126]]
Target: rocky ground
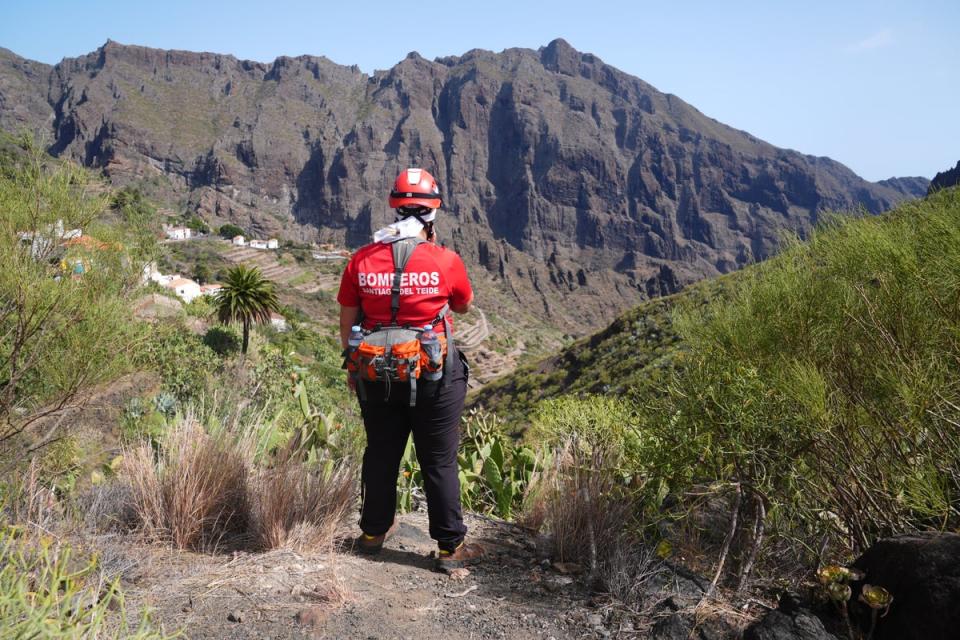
[[515, 593]]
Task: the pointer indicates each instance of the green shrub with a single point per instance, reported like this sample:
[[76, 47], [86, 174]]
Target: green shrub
[[230, 231], [184, 362], [200, 307], [59, 333], [594, 421], [197, 224], [826, 386], [224, 341], [202, 273], [48, 592]]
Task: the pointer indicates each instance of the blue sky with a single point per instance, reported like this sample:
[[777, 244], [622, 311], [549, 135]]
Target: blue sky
[[875, 85]]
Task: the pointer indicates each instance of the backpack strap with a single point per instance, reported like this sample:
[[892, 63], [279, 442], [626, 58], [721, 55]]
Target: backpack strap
[[443, 316], [402, 250]]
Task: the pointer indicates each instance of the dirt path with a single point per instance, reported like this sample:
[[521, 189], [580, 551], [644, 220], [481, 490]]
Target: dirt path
[[398, 595], [283, 594]]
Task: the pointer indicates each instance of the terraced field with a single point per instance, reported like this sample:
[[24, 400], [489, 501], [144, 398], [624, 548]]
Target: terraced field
[[290, 274]]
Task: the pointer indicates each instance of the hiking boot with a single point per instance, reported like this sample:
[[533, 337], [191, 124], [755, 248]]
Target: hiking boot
[[371, 545], [463, 556]]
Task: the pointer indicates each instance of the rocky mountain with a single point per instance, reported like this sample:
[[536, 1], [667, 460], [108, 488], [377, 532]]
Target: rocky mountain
[[944, 179], [910, 187], [577, 188]]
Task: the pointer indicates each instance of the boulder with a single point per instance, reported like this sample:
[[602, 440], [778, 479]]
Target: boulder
[[922, 572], [683, 626], [154, 306], [777, 625], [790, 621]]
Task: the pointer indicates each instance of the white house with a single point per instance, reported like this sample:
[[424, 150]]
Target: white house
[[272, 243], [277, 321], [210, 289], [178, 233], [186, 289], [44, 240], [239, 241]]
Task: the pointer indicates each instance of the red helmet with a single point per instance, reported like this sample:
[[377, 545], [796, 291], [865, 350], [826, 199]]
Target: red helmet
[[415, 188]]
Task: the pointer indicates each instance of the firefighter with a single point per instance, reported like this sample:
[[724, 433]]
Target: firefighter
[[433, 282]]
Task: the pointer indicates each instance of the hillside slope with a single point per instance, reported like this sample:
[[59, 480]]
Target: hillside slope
[[572, 184], [634, 348], [639, 345]]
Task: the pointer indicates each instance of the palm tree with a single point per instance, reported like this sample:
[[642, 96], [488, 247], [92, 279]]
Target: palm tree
[[246, 297]]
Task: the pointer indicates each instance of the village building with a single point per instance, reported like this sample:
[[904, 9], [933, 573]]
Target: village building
[[210, 289], [185, 288], [239, 241], [277, 321], [272, 243], [42, 242], [178, 233]]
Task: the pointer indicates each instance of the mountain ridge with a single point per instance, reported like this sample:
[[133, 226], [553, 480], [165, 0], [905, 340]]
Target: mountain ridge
[[570, 183]]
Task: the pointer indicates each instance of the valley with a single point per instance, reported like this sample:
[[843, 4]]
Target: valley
[[572, 189], [712, 384]]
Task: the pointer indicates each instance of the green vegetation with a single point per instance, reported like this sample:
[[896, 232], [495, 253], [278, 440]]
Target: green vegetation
[[196, 223], [201, 258], [496, 473], [812, 399], [278, 423], [640, 344], [828, 383], [64, 304], [48, 592], [230, 231], [246, 298], [183, 360]]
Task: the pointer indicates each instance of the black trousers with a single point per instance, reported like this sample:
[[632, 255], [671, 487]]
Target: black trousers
[[389, 420]]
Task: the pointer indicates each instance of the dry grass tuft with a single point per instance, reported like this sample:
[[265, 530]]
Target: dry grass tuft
[[297, 507], [588, 516], [108, 507], [31, 502], [194, 491], [582, 507]]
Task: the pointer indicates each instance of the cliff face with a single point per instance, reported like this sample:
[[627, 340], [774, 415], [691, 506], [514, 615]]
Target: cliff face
[[579, 188]]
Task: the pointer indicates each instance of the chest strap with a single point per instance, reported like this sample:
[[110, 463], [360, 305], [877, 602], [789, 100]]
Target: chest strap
[[402, 250]]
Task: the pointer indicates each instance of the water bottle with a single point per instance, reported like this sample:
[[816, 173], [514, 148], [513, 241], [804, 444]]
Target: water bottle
[[355, 338], [431, 346]]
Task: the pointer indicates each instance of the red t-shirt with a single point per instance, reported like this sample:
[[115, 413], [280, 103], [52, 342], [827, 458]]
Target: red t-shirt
[[433, 277]]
